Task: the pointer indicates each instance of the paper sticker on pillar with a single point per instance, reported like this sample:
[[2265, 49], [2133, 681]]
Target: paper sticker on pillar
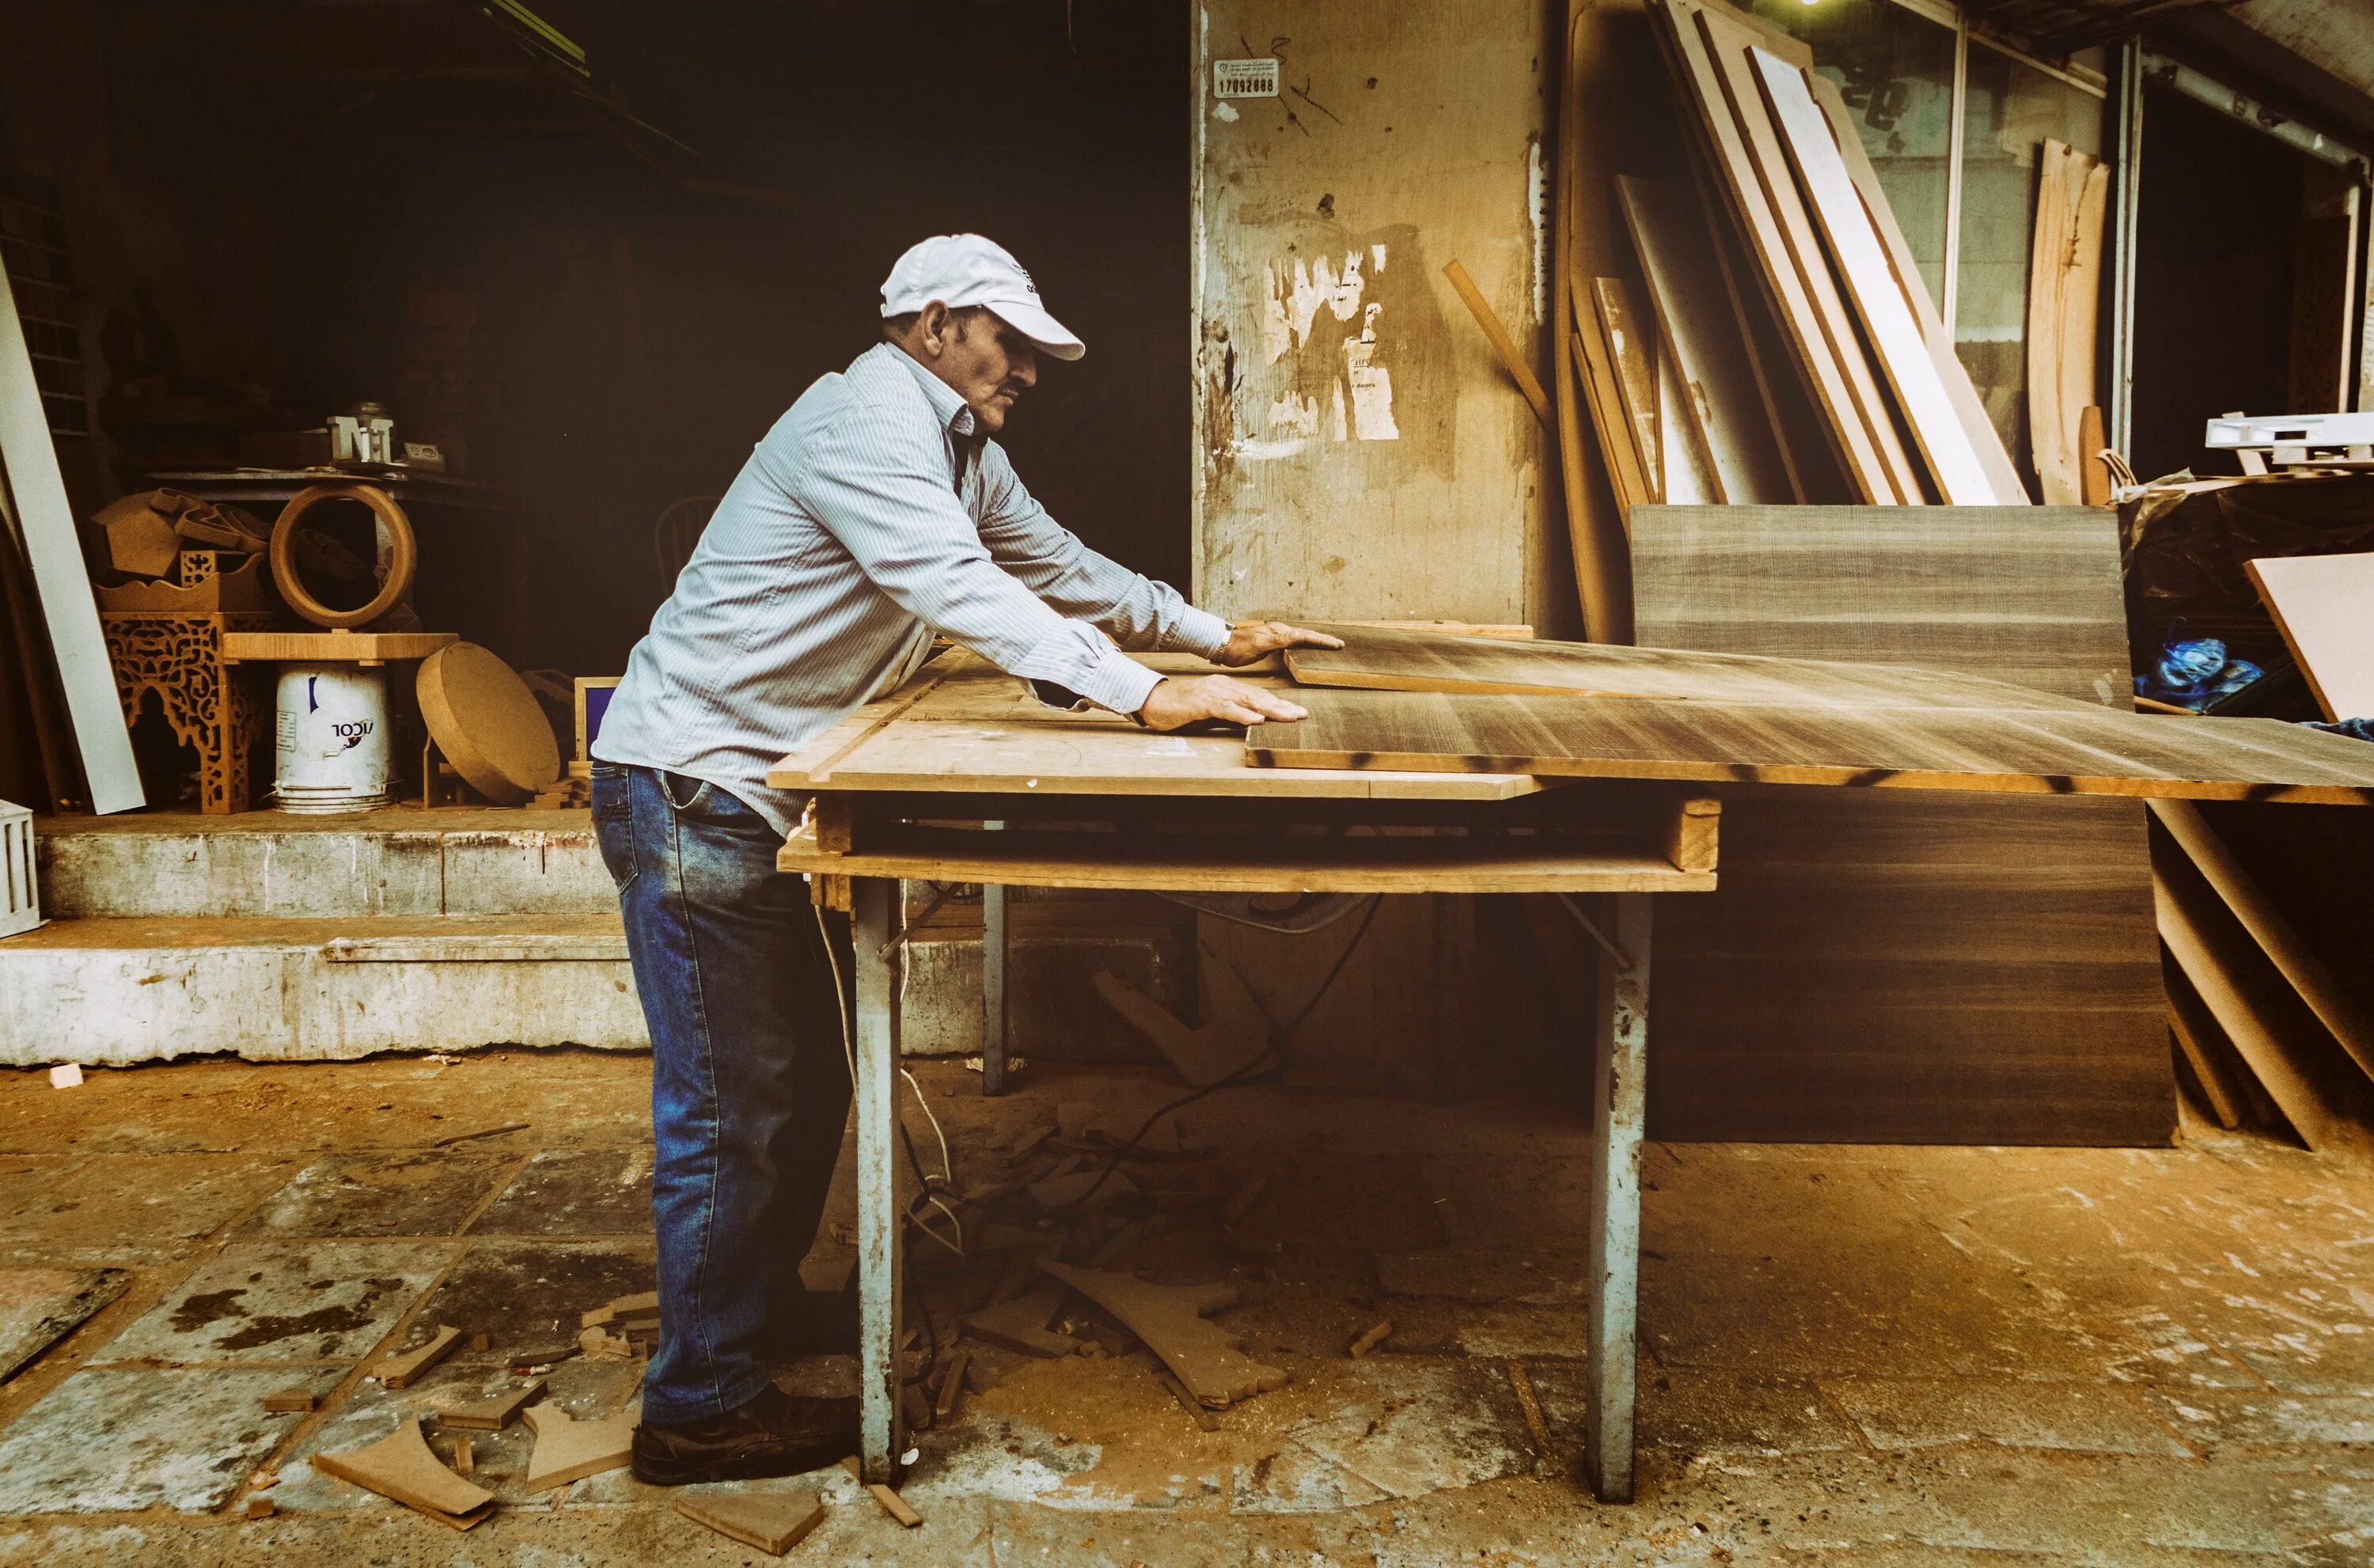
[[1244, 78]]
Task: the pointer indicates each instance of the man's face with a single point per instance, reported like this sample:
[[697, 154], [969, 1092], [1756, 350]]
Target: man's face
[[988, 363]]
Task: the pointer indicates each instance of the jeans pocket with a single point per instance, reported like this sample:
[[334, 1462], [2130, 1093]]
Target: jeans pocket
[[687, 796], [614, 822]]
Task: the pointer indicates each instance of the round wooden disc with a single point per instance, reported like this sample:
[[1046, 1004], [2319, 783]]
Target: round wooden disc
[[487, 723]]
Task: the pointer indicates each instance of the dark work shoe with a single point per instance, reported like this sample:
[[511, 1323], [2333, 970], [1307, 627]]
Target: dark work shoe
[[811, 1322], [774, 1435]]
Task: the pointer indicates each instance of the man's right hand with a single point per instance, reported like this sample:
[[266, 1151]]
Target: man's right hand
[[1174, 702]]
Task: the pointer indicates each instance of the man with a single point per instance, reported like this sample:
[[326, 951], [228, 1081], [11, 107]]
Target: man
[[876, 511]]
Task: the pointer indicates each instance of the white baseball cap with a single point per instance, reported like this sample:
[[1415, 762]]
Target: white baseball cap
[[965, 269]]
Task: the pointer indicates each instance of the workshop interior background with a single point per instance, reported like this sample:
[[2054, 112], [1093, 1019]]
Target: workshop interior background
[[2008, 1168]]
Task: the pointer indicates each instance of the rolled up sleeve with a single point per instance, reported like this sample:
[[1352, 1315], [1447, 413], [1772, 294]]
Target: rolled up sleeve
[[879, 485]]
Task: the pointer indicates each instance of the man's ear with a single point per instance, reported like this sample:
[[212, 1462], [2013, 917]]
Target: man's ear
[[932, 328]]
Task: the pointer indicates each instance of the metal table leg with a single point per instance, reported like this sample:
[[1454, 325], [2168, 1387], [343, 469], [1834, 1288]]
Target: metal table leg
[[874, 903], [1619, 1102], [992, 986]]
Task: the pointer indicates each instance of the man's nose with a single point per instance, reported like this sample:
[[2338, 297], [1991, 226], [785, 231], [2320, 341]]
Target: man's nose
[[1025, 369]]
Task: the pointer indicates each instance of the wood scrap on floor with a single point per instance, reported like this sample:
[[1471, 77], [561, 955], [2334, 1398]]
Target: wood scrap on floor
[[1375, 1336], [403, 1467], [494, 1413], [1020, 1325], [402, 1371], [1202, 1056], [892, 1503], [298, 1399], [1169, 1319], [568, 1449], [950, 1387], [465, 1457], [773, 1522]]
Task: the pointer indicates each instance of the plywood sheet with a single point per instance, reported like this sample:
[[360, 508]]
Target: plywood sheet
[[1718, 390], [2324, 607], [1910, 967], [1632, 349]]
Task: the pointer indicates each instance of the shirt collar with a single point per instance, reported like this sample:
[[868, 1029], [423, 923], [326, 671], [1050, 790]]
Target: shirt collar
[[946, 403]]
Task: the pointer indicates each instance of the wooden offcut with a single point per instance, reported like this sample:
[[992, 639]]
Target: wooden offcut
[[2324, 605], [333, 647], [487, 723], [1020, 1325], [403, 1467], [1204, 1056], [774, 1522], [568, 1449], [1502, 344], [401, 1371], [1169, 1319], [494, 1413]]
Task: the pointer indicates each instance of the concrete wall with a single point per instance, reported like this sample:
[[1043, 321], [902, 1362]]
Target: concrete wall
[[1359, 451]]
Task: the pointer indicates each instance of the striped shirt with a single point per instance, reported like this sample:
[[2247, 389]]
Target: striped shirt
[[866, 518]]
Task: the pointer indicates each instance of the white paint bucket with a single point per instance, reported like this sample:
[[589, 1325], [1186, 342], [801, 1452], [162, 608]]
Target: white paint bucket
[[330, 738]]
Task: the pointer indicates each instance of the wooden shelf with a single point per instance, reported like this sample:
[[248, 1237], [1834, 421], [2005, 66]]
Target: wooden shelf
[[331, 647]]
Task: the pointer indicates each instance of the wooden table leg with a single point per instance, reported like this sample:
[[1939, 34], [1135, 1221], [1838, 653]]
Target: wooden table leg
[[873, 907], [994, 953], [1619, 1103]]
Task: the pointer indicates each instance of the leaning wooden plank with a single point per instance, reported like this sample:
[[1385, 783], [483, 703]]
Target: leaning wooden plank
[[1718, 391], [402, 1466], [2041, 751], [1630, 346], [2063, 300], [2226, 994], [2324, 607], [1597, 482], [29, 467], [1685, 471], [1903, 354], [1811, 331], [1503, 346], [1985, 439], [1170, 1319], [2325, 996]]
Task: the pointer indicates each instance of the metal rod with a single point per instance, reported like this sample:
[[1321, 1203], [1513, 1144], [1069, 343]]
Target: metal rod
[[2126, 175], [873, 903], [2207, 90], [1620, 1104], [995, 951]]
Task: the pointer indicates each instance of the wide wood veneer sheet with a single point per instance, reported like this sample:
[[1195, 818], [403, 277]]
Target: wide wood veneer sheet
[[1904, 966], [2058, 751]]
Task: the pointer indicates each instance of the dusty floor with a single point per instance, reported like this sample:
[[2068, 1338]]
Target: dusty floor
[[1865, 1356]]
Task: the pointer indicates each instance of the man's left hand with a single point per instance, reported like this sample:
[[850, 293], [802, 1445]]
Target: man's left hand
[[1254, 640]]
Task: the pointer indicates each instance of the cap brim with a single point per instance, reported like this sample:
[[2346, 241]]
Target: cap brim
[[1051, 335]]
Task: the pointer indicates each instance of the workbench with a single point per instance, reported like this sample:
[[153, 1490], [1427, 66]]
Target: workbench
[[963, 775]]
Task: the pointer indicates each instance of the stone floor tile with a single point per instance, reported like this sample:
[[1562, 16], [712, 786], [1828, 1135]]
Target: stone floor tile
[[529, 1295], [40, 1306], [284, 1301], [2214, 1419], [115, 1442], [427, 1193], [125, 1208], [1409, 1426], [2091, 1418], [1702, 1413], [575, 1192]]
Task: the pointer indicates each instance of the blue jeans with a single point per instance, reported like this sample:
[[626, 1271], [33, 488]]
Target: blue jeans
[[749, 1080]]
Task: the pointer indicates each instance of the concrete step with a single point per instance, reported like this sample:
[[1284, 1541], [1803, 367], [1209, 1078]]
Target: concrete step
[[399, 862], [328, 989], [313, 990]]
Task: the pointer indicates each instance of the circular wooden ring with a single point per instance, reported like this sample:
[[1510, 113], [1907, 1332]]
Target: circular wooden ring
[[403, 550]]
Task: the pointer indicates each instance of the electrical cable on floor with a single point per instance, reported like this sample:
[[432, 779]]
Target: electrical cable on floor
[[1278, 1041]]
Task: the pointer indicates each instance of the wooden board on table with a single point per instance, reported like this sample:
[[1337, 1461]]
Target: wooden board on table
[[1718, 392], [1375, 658], [1910, 967], [965, 726], [2052, 751], [2324, 607], [1902, 352], [1709, 57]]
